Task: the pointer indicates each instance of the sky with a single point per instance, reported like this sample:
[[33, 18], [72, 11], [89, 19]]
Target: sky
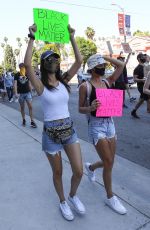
[[16, 16]]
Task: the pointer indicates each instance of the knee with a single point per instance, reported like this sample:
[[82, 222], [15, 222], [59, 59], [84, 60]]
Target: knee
[[57, 174], [78, 174], [30, 107], [108, 163]]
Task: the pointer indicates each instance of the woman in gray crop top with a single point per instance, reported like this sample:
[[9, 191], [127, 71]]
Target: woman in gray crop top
[[101, 129], [58, 131]]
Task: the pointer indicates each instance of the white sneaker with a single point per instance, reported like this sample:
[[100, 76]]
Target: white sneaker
[[16, 100], [66, 211], [116, 205], [79, 207], [91, 174], [11, 100]]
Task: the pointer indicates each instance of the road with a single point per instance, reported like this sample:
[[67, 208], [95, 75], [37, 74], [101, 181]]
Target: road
[[133, 135]]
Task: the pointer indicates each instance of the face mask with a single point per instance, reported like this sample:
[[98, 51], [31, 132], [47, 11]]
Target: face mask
[[51, 67], [22, 71], [99, 71], [8, 74]]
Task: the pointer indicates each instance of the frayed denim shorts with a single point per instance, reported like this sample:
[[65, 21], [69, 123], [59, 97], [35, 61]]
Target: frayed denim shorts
[[49, 146], [25, 97], [100, 128]]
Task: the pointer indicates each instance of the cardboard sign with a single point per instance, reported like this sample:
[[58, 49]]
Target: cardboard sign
[[109, 47], [52, 26], [111, 102], [126, 48]]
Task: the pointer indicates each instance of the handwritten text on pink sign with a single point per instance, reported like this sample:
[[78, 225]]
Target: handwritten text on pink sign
[[111, 102]]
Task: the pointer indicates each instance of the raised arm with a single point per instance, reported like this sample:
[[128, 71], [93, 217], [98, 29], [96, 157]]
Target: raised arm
[[78, 58], [146, 88], [37, 84], [119, 69]]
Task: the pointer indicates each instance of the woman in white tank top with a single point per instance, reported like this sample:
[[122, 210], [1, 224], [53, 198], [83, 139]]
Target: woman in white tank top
[[59, 132]]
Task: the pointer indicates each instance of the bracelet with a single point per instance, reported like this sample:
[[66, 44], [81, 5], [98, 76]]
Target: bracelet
[[31, 36]]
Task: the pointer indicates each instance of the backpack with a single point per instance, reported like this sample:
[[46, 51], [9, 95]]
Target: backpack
[[89, 89]]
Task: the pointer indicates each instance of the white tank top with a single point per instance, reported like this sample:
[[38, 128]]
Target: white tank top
[[55, 103]]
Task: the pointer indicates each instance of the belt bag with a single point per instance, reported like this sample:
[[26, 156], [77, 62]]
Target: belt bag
[[60, 133]]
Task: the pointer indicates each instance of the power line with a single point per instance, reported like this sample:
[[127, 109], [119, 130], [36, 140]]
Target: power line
[[88, 6]]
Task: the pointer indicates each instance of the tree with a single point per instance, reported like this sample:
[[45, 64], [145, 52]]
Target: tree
[[26, 40], [9, 58], [19, 46], [5, 40], [3, 47], [86, 47], [141, 33], [1, 70], [18, 39], [17, 52], [90, 33]]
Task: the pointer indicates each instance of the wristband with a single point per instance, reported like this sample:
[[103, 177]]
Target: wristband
[[31, 36]]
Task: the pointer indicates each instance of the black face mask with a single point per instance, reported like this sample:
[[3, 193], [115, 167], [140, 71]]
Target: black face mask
[[143, 60], [50, 67], [99, 71]]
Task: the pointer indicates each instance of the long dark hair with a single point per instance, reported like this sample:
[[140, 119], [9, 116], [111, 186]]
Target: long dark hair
[[59, 77]]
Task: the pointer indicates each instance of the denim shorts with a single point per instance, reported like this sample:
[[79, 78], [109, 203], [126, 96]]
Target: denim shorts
[[25, 97], [100, 128], [49, 145]]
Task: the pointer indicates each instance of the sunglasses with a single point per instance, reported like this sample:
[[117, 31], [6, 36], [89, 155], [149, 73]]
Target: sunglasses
[[52, 59]]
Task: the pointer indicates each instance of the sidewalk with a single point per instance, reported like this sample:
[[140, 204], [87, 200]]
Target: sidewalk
[[27, 197]]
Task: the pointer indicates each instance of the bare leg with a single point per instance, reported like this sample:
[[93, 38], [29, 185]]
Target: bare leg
[[128, 90], [74, 155], [148, 106], [99, 164], [106, 151], [29, 103], [96, 165], [22, 107], [56, 164], [140, 102]]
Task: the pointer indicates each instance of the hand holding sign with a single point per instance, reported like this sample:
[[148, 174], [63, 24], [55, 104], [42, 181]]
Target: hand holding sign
[[71, 31], [32, 29], [95, 105]]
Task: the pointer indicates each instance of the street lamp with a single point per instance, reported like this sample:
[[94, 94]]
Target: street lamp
[[122, 9]]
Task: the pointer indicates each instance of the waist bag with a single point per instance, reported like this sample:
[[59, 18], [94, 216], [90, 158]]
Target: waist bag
[[60, 133]]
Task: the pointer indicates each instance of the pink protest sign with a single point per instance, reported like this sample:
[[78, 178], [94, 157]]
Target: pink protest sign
[[111, 102]]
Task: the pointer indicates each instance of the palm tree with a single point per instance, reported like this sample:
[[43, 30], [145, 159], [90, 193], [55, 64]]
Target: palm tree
[[90, 32], [18, 39], [3, 47], [5, 40], [17, 53], [26, 40]]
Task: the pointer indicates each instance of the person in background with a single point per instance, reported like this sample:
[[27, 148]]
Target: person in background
[[146, 65], [126, 76], [146, 88], [139, 78], [58, 131], [146, 72], [2, 87], [22, 86], [9, 83]]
